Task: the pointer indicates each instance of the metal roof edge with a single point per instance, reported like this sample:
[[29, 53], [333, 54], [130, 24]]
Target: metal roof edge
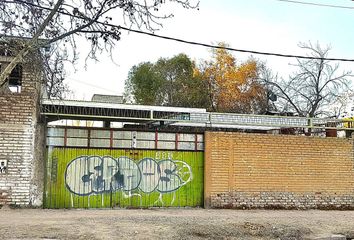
[[81, 103]]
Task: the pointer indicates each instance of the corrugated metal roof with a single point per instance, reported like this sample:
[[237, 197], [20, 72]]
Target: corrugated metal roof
[[77, 103], [195, 117]]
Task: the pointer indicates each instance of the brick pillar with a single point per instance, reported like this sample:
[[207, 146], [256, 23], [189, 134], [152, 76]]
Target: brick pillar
[[207, 169], [21, 144]]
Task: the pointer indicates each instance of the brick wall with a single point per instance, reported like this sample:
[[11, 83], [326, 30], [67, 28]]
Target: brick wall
[[278, 171], [20, 138]]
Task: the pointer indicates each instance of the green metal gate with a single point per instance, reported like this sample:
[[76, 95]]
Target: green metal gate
[[138, 178]]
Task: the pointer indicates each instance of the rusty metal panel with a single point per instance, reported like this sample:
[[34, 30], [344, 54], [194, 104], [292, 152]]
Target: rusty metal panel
[[86, 137], [99, 178]]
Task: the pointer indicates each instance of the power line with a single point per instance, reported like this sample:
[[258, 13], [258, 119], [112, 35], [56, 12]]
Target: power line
[[90, 84], [316, 4], [235, 49], [192, 42]]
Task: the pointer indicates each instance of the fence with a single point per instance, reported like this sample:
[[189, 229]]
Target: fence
[[96, 168]]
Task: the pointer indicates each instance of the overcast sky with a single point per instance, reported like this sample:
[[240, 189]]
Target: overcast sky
[[260, 25]]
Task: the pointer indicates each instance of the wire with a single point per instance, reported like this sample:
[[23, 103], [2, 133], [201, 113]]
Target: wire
[[316, 4], [237, 50], [192, 42], [91, 85]]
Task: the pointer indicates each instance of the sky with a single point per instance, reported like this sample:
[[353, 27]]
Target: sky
[[259, 25]]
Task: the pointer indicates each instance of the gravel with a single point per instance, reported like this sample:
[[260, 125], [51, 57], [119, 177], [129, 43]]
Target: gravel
[[173, 224]]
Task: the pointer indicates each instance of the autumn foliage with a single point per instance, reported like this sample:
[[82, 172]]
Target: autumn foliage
[[220, 84], [232, 87]]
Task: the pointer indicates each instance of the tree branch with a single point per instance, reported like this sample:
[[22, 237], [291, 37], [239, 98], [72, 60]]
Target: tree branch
[[30, 46]]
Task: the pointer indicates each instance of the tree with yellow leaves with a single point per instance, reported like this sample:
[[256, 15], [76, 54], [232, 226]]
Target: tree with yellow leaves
[[232, 87]]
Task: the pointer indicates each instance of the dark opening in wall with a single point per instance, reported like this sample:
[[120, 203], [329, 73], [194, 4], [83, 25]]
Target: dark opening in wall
[[15, 79]]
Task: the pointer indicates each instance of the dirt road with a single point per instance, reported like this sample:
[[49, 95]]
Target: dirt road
[[173, 224]]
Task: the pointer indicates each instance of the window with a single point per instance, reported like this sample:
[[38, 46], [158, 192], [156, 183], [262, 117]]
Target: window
[[15, 79]]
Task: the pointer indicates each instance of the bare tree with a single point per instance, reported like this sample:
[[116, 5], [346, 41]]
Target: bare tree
[[54, 73], [63, 21], [313, 88]]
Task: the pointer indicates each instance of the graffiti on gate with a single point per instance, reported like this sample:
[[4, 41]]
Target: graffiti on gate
[[87, 175]]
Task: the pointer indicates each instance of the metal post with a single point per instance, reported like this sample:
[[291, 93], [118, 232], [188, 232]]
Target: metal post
[[309, 125]]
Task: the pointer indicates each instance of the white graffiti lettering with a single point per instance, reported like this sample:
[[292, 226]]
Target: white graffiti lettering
[[88, 175]]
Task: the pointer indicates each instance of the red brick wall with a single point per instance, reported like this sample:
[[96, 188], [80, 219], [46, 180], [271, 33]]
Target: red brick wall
[[278, 171]]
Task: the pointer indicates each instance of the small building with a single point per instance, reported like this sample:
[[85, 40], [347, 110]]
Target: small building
[[21, 160], [117, 99]]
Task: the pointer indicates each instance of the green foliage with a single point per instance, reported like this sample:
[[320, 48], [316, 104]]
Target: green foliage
[[169, 82], [143, 85], [219, 84]]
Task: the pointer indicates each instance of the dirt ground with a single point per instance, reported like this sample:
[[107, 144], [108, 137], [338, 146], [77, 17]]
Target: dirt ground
[[173, 224]]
